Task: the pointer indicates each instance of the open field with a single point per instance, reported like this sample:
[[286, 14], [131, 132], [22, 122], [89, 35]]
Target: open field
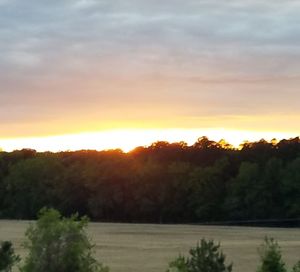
[[149, 248]]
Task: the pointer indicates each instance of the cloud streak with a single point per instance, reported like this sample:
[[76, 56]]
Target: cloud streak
[[105, 58]]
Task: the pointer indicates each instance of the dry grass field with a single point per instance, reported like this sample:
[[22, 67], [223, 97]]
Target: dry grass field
[[149, 248]]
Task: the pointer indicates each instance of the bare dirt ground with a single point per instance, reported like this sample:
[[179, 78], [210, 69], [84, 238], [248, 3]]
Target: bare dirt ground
[[149, 248]]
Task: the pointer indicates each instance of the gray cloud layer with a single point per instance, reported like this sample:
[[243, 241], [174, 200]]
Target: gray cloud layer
[[198, 57]]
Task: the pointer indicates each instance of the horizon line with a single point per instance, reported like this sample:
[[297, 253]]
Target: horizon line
[[129, 139]]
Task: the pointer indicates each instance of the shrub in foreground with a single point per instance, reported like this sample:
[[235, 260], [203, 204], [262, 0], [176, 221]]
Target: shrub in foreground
[[271, 258], [8, 258], [296, 267], [206, 257], [59, 244]]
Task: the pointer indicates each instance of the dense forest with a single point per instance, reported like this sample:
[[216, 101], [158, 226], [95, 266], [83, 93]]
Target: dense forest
[[165, 182]]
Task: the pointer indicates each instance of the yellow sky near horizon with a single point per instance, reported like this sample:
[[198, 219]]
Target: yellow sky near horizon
[[128, 134], [128, 139], [269, 123], [76, 73]]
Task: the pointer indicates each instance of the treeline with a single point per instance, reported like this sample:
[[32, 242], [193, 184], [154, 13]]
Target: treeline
[[165, 182]]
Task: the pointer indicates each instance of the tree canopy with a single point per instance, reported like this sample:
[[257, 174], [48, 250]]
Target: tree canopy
[[165, 182]]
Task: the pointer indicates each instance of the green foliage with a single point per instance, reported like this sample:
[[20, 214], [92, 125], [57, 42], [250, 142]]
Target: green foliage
[[165, 182], [179, 265], [59, 244], [8, 258], [206, 257], [291, 188], [270, 256], [296, 267], [207, 197], [244, 199], [31, 184]]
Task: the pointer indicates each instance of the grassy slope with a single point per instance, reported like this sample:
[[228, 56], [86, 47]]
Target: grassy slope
[[149, 248]]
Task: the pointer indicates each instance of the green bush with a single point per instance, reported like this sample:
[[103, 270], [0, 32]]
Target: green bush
[[206, 257], [59, 244], [296, 267], [8, 258], [270, 256]]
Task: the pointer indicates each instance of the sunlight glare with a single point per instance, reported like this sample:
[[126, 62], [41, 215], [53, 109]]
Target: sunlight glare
[[131, 138]]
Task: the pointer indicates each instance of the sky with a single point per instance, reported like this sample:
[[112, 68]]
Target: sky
[[168, 68]]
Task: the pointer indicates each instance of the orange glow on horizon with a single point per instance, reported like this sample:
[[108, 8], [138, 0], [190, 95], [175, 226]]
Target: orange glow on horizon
[[128, 139]]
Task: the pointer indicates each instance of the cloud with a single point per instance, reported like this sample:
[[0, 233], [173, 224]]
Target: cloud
[[230, 57]]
